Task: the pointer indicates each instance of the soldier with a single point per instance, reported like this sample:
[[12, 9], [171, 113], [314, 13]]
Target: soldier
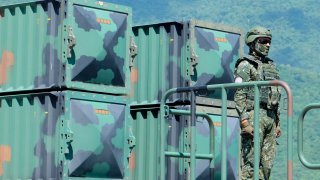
[[256, 66]]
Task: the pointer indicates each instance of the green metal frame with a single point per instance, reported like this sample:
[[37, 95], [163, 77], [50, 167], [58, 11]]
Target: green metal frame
[[67, 134], [34, 17], [223, 88], [192, 155], [302, 158], [66, 23]]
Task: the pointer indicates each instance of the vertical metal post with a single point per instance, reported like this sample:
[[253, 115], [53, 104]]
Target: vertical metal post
[[290, 145], [224, 135], [290, 112], [256, 136], [193, 138], [162, 141]]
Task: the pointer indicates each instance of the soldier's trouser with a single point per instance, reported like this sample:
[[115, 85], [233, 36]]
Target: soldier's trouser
[[267, 146]]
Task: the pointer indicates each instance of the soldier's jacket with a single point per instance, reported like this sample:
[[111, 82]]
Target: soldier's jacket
[[251, 68]]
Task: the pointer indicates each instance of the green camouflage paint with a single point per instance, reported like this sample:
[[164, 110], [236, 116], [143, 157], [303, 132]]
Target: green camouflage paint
[[104, 127], [182, 54], [30, 123], [233, 144], [52, 127], [69, 134], [102, 63], [158, 65], [217, 52], [51, 50], [146, 131]]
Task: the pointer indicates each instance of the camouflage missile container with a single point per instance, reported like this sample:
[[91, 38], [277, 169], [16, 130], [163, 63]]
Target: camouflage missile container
[[63, 135], [146, 132], [64, 43], [213, 109], [182, 54]]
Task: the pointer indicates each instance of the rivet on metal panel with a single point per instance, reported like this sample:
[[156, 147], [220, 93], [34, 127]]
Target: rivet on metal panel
[[133, 51], [193, 61], [166, 111], [131, 141], [71, 41]]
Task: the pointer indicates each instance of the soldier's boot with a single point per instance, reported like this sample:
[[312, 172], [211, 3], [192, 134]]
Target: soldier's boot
[[266, 173]]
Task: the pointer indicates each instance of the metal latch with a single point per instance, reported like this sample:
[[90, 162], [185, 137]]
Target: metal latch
[[133, 51], [166, 111], [193, 61], [71, 41], [68, 138], [131, 142]]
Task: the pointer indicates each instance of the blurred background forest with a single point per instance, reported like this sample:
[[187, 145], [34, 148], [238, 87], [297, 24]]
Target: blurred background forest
[[295, 25]]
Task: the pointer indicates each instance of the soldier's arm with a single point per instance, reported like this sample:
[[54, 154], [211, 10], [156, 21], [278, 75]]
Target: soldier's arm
[[278, 129], [278, 114], [279, 98], [242, 74]]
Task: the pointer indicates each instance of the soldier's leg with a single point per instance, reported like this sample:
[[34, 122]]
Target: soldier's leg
[[247, 151], [248, 158], [268, 148]]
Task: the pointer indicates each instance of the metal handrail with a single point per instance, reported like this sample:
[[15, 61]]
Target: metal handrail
[[223, 87], [211, 128], [302, 158]]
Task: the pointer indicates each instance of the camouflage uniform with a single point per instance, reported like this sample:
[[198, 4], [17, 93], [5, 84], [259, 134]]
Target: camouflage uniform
[[258, 68]]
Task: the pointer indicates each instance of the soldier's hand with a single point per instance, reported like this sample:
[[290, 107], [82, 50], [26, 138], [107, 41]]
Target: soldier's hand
[[246, 128], [278, 131]]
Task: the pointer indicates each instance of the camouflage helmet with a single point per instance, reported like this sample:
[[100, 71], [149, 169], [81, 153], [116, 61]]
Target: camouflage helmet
[[256, 32]]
